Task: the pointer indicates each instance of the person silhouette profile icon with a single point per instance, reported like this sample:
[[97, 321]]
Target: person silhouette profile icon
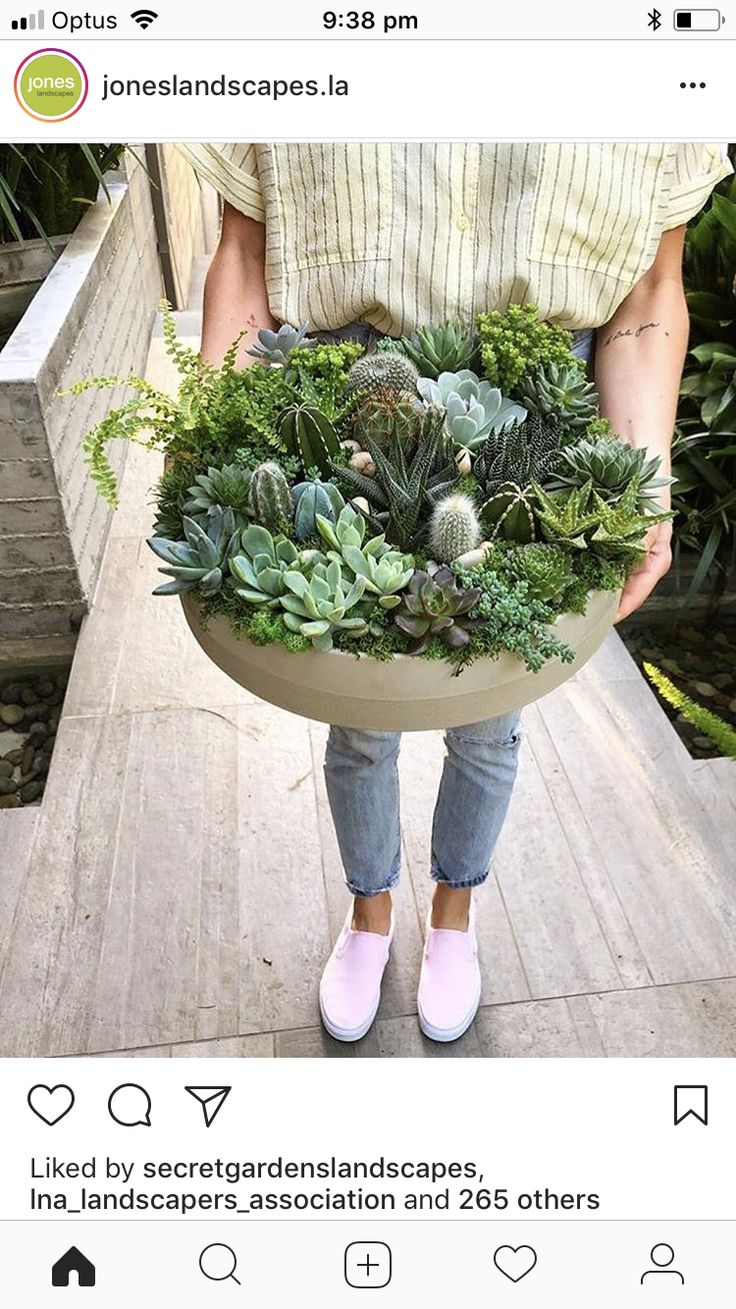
[[662, 1256]]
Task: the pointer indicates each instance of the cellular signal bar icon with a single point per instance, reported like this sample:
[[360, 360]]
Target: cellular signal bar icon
[[33, 23]]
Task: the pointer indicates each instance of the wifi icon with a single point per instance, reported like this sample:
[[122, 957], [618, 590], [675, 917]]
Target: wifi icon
[[144, 17]]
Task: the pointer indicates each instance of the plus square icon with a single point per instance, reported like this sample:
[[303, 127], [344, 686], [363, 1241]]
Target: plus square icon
[[368, 1265]]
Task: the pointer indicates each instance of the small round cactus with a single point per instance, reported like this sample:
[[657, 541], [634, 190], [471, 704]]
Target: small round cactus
[[270, 497], [376, 372], [454, 529]]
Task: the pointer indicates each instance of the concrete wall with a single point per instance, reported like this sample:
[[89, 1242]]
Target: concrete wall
[[192, 217], [92, 316]]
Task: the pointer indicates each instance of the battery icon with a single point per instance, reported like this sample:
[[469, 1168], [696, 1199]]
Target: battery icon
[[698, 20]]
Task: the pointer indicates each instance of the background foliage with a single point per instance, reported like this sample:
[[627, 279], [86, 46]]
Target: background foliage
[[704, 493]]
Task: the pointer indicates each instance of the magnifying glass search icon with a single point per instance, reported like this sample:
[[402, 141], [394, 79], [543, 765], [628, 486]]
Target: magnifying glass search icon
[[218, 1263]]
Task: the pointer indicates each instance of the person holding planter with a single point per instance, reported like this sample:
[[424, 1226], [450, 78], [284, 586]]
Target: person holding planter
[[366, 241]]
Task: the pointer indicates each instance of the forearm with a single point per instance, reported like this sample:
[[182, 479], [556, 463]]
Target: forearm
[[639, 360], [235, 296]]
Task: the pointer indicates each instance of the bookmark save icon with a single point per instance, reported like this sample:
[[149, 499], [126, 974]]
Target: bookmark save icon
[[211, 1098]]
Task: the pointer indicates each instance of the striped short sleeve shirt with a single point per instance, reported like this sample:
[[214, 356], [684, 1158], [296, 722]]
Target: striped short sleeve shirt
[[399, 235]]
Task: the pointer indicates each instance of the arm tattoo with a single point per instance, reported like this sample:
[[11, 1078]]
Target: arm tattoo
[[630, 331]]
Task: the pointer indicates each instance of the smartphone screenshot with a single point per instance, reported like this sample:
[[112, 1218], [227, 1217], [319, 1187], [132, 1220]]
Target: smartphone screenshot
[[367, 655]]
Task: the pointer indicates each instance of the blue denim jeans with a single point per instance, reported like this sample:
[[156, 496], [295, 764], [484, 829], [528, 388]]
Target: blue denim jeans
[[363, 787], [477, 781]]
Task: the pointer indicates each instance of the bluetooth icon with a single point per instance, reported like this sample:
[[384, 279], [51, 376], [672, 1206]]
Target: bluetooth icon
[[655, 20]]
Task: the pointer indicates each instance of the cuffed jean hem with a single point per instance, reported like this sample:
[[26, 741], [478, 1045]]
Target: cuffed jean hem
[[364, 894], [457, 884]]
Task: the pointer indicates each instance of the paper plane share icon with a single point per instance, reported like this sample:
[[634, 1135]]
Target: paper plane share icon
[[211, 1098]]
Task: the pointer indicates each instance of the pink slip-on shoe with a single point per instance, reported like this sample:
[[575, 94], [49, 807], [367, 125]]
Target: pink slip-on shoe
[[449, 983], [350, 990]]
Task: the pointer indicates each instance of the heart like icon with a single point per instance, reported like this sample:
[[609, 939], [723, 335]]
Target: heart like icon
[[515, 1261], [51, 1103]]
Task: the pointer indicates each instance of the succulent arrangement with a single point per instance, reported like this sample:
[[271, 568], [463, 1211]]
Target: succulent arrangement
[[446, 495]]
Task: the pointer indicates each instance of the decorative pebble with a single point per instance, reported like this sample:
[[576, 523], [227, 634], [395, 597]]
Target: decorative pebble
[[37, 732], [62, 681], [44, 686], [28, 695], [31, 792], [702, 742], [11, 693], [10, 802], [14, 757], [6, 768], [26, 762], [11, 714], [722, 680], [7, 786], [704, 688]]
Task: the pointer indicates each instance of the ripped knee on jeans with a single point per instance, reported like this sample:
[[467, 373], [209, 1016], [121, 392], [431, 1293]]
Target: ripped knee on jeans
[[502, 732]]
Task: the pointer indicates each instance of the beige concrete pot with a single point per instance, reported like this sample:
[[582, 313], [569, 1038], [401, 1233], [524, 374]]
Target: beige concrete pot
[[405, 694]]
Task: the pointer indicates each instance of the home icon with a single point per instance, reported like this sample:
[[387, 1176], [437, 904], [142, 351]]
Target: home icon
[[73, 1262]]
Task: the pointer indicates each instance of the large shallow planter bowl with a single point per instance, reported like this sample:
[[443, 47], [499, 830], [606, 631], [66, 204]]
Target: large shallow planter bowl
[[405, 693]]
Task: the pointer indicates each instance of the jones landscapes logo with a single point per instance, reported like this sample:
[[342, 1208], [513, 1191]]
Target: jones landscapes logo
[[51, 85]]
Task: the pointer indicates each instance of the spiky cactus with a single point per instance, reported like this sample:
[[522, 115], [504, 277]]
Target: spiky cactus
[[270, 497], [454, 528], [509, 513], [386, 415], [306, 432], [377, 372], [313, 499]]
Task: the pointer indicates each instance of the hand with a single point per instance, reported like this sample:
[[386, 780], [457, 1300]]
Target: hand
[[650, 571]]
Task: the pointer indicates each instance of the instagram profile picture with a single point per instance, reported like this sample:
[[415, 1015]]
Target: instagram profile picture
[[51, 85]]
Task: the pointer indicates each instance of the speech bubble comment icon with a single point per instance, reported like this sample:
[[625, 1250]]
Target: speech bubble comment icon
[[130, 1105]]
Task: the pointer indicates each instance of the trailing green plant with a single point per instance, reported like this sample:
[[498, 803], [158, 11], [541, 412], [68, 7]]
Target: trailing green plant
[[199, 561], [214, 410], [509, 620], [322, 604], [706, 722], [228, 487], [260, 565], [270, 501], [312, 500], [560, 390], [447, 348], [546, 569], [404, 489], [516, 343], [308, 434], [610, 465], [438, 606], [474, 410], [454, 528], [383, 372]]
